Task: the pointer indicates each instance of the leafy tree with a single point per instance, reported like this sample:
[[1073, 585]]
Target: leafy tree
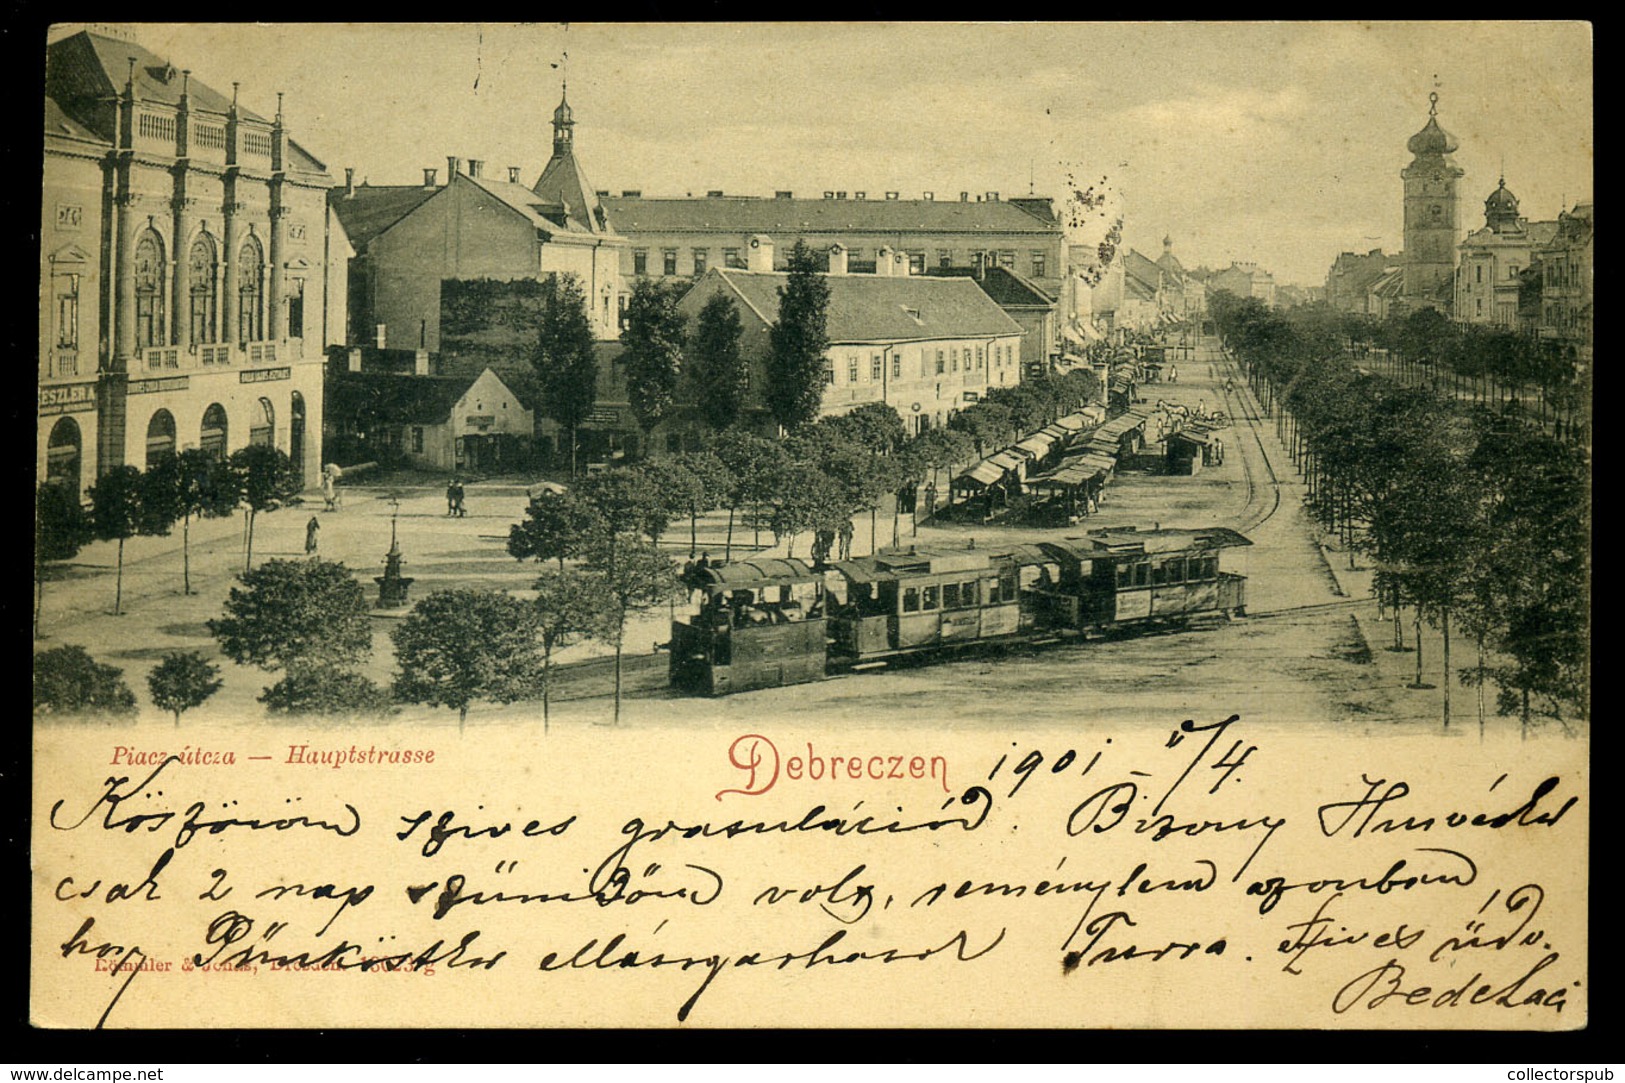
[[183, 680], [988, 424], [654, 350], [296, 615], [115, 515], [812, 500], [629, 500], [797, 343], [635, 576], [267, 479], [720, 374], [708, 488], [459, 646], [941, 449], [755, 466], [563, 358], [61, 529], [327, 690], [68, 681], [193, 484], [569, 605], [556, 527]]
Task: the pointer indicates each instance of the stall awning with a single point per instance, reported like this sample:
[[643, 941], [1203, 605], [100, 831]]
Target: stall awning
[[1037, 445]]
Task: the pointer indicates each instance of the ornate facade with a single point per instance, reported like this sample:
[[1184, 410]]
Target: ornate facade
[[184, 299], [1431, 214]]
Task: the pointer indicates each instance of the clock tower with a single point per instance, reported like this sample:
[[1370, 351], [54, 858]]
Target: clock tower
[[1431, 213]]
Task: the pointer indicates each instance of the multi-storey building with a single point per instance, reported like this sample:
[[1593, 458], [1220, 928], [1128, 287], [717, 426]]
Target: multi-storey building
[[1245, 280], [185, 301], [927, 346], [686, 237], [409, 239], [1566, 293], [1349, 282], [1493, 258]]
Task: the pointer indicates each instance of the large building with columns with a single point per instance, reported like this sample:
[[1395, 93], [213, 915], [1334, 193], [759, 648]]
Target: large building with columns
[[184, 246]]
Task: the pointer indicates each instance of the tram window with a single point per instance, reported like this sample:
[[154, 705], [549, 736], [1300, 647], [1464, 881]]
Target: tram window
[[1159, 575], [1210, 568], [1125, 576], [950, 595], [911, 599], [1176, 570], [1007, 587], [967, 592], [1142, 574], [930, 599]]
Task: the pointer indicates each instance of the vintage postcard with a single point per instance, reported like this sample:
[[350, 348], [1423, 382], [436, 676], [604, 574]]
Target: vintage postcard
[[952, 525]]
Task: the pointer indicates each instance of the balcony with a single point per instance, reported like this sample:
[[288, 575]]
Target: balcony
[[222, 354]]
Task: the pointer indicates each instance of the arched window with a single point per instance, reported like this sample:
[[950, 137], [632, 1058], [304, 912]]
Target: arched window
[[160, 436], [212, 438], [62, 454], [203, 264], [296, 433], [250, 287], [150, 268], [263, 425]]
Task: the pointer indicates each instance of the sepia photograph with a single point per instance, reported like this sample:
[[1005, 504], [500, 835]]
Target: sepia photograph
[[657, 523]]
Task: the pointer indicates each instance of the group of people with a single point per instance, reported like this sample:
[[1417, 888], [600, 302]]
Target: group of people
[[454, 499], [693, 568]]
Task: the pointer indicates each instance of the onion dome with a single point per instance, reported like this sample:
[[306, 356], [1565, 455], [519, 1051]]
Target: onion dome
[[1432, 139], [563, 114]]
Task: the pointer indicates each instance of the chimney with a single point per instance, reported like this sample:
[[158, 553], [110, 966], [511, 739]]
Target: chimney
[[759, 256], [513, 177], [783, 195], [840, 195], [829, 195], [930, 196], [964, 197], [714, 193], [883, 260], [837, 259], [354, 359], [428, 177], [891, 195], [420, 363], [349, 183], [451, 168], [860, 195], [631, 193], [475, 167], [902, 266], [993, 197]]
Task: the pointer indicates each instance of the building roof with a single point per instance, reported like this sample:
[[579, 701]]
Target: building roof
[[1432, 139], [564, 185], [1007, 288], [396, 398], [789, 217], [1142, 269], [58, 122], [85, 69], [366, 210], [1390, 284], [882, 308]]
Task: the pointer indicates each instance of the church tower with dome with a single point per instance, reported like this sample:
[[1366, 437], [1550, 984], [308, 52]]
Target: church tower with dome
[[1431, 214]]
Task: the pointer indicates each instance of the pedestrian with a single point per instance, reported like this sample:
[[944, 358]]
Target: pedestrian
[[457, 501], [451, 498], [1173, 374], [312, 528], [704, 562], [846, 540]]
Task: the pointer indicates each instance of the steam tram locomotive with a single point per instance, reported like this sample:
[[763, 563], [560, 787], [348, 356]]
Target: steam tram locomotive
[[771, 622]]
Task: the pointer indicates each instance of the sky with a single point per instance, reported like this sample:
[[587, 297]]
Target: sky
[[1279, 143]]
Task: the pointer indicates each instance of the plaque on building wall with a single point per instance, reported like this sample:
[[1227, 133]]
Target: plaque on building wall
[[162, 383], [260, 376], [67, 398], [69, 216]]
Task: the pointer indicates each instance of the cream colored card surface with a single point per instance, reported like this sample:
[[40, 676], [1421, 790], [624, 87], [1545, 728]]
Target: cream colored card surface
[[1239, 791]]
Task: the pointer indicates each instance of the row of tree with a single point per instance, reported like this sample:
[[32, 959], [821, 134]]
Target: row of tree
[[67, 680], [174, 490], [1473, 518]]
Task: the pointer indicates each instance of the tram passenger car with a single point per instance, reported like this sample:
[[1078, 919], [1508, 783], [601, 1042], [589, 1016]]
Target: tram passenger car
[[901, 601], [1115, 579], [758, 624]]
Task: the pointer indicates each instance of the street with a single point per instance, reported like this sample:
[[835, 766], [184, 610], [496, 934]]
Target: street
[[1311, 645]]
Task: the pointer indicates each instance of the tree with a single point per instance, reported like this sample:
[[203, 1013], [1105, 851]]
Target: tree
[[115, 515], [707, 489], [941, 449], [61, 529], [183, 680], [755, 465], [720, 374], [797, 343], [635, 576], [654, 350], [563, 358], [629, 500], [459, 646], [556, 527], [68, 681], [812, 500], [568, 605], [988, 424], [193, 484], [321, 689], [296, 615], [267, 479]]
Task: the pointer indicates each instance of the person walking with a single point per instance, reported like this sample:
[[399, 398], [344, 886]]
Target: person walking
[[451, 498], [312, 529], [458, 507]]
